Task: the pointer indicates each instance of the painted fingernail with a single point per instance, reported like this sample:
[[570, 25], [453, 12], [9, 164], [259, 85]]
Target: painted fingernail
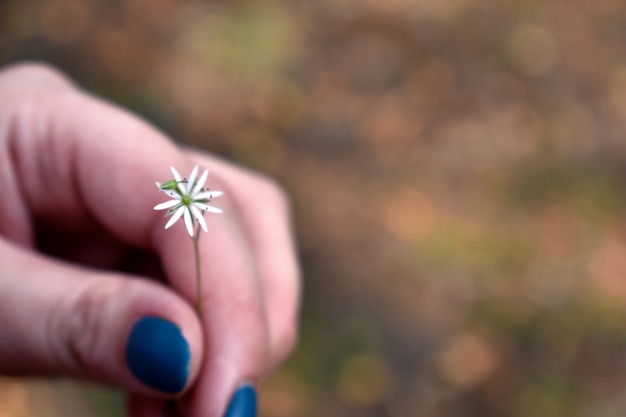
[[158, 354], [243, 403]]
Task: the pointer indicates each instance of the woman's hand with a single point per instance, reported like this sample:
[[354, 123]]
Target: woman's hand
[[92, 285]]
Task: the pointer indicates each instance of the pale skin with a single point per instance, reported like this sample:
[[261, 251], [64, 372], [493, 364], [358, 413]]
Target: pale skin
[[77, 180]]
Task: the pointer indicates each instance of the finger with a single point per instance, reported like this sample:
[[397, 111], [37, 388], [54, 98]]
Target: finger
[[16, 78], [77, 160], [59, 319], [265, 214]]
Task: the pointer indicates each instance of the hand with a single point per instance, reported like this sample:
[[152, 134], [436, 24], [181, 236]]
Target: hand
[[91, 284]]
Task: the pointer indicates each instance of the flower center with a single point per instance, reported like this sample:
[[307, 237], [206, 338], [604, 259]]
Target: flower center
[[186, 200]]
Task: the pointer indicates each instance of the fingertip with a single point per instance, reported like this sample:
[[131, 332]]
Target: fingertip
[[163, 349], [161, 342]]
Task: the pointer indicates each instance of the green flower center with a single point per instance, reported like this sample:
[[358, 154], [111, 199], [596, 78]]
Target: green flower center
[[186, 200]]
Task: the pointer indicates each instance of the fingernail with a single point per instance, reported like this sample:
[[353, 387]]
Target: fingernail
[[243, 403], [158, 354]]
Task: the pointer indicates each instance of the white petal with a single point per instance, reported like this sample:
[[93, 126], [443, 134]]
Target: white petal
[[175, 217], [179, 180], [201, 182], [176, 175], [192, 179], [158, 184], [166, 205], [188, 222], [198, 215], [172, 194], [206, 207], [207, 195]]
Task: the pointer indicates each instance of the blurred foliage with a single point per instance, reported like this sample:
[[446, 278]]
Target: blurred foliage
[[457, 171]]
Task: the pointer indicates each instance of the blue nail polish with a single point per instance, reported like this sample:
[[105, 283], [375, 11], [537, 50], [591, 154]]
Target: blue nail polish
[[243, 403], [158, 354]]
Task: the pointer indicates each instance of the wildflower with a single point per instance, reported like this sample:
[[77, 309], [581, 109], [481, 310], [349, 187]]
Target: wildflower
[[189, 200]]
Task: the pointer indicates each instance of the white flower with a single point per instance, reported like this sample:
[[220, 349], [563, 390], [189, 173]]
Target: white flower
[[189, 199]]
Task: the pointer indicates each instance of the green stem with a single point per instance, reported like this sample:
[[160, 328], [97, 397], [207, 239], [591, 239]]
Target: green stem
[[198, 281]]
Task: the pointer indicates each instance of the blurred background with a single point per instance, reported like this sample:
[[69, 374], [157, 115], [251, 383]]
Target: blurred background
[[458, 174]]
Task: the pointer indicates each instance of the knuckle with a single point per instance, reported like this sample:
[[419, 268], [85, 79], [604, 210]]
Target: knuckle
[[249, 320], [77, 327], [286, 341], [35, 73], [289, 341], [274, 194]]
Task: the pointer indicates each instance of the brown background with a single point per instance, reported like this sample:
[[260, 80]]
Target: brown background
[[457, 172]]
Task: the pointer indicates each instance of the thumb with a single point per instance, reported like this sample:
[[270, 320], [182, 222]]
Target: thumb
[[61, 319]]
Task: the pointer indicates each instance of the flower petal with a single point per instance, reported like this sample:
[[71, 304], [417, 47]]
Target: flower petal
[[206, 207], [173, 194], [200, 183], [188, 221], [179, 180], [175, 217], [207, 195], [176, 175], [166, 205], [192, 179], [198, 215]]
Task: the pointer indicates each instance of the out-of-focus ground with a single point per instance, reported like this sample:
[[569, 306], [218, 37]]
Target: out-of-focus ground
[[458, 174]]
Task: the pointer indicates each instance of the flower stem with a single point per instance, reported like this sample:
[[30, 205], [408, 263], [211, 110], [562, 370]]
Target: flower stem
[[198, 281]]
